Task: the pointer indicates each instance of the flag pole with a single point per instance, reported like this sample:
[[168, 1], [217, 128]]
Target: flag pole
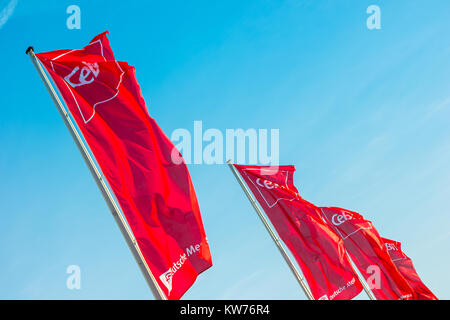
[[360, 277], [271, 232], [96, 173]]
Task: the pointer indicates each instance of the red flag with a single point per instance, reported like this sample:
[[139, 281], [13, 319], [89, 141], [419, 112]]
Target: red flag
[[156, 196], [367, 250], [405, 266], [316, 247]]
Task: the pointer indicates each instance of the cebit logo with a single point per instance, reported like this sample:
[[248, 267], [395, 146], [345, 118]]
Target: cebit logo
[[166, 279], [390, 246], [267, 184], [270, 184], [339, 219], [87, 74], [261, 184]]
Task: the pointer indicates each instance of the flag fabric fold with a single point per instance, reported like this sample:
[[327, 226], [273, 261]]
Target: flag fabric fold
[[317, 249], [406, 268], [368, 252], [156, 196]]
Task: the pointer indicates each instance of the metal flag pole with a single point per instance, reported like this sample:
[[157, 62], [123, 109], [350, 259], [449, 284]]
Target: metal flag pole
[[271, 232], [113, 206], [361, 279]]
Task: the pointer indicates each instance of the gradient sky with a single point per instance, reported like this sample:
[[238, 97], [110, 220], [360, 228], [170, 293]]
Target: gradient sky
[[363, 115]]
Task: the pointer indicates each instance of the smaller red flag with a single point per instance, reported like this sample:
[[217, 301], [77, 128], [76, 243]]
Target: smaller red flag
[[317, 249], [368, 252], [405, 266]]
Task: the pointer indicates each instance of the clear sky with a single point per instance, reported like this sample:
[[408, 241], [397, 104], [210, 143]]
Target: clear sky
[[363, 115]]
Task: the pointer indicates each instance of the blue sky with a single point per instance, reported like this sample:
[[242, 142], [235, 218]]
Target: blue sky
[[363, 115]]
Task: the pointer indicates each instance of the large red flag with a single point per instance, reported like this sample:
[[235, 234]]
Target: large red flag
[[368, 252], [156, 196], [316, 247], [405, 266]]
